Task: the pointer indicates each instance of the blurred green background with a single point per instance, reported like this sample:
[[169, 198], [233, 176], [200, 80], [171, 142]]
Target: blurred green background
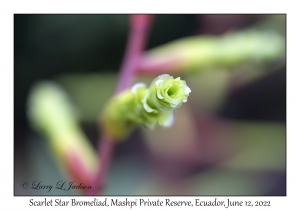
[[228, 139]]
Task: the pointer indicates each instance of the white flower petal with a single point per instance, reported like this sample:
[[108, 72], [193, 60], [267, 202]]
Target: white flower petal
[[158, 82], [187, 89], [158, 93], [137, 85], [146, 106], [163, 75], [166, 119], [174, 105]]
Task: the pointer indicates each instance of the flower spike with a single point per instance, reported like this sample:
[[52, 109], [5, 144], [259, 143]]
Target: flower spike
[[144, 106]]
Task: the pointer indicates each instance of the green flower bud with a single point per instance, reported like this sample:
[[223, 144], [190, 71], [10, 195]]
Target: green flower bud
[[143, 106], [166, 93]]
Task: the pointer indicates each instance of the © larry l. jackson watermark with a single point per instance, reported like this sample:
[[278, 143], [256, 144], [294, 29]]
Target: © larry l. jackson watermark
[[60, 185]]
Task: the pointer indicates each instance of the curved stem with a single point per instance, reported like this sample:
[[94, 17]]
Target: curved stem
[[140, 25]]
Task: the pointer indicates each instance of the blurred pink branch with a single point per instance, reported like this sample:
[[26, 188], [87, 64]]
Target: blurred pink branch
[[139, 27], [157, 65]]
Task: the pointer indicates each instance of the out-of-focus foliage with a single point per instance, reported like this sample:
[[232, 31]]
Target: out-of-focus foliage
[[241, 152], [276, 23], [89, 92], [51, 113], [206, 52]]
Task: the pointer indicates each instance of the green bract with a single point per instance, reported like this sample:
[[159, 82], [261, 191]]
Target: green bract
[[166, 93], [145, 106]]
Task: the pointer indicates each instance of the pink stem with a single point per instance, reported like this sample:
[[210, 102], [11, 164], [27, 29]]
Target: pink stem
[[140, 25]]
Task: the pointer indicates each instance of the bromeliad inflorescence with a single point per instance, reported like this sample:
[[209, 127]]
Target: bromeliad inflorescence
[[145, 106]]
